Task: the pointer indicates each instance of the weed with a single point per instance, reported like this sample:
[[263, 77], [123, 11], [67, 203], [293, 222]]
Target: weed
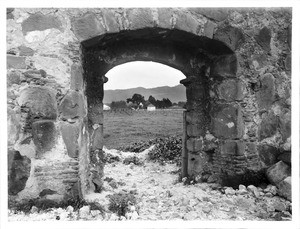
[[119, 202]]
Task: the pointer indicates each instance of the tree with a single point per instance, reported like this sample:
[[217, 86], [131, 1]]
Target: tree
[[167, 103], [152, 100], [136, 99], [182, 104], [118, 104]]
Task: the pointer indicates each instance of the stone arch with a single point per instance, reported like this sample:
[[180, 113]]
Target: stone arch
[[247, 109], [205, 62]]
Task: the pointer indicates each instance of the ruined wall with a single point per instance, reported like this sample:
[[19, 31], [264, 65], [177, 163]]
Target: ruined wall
[[55, 124]]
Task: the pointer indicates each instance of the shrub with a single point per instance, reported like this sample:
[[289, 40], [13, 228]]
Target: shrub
[[119, 202], [167, 150]]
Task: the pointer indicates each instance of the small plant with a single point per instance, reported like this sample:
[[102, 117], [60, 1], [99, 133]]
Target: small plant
[[119, 202]]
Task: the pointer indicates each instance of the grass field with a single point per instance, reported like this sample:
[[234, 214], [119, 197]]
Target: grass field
[[124, 127]]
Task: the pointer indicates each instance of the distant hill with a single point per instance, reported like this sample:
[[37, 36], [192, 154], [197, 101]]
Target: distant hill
[[175, 94]]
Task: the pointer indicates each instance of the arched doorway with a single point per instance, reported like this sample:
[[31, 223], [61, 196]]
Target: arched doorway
[[206, 63]]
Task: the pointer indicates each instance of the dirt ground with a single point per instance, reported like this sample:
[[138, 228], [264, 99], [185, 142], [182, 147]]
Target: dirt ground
[[160, 196]]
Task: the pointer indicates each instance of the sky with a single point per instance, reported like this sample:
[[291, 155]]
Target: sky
[[145, 74]]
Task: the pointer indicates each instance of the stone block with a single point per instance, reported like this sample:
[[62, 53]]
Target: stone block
[[40, 100], [268, 126], [209, 29], [44, 136], [196, 91], [34, 74], [266, 93], [25, 51], [95, 113], [278, 172], [194, 144], [285, 188], [289, 36], [285, 124], [195, 164], [110, 20], [216, 14], [97, 138], [140, 18], [263, 38], [259, 61], [193, 117], [268, 154], [165, 17], [87, 26], [231, 90], [232, 147], [18, 172], [231, 36], [227, 121], [40, 22], [195, 130], [15, 62], [285, 157], [13, 78], [288, 63], [224, 66], [186, 22], [13, 127], [70, 133], [76, 77], [72, 106]]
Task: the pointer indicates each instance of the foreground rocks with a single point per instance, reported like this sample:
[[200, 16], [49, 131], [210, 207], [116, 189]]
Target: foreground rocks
[[160, 196], [280, 175]]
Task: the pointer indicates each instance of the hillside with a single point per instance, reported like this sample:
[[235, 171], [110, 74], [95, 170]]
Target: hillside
[[175, 94]]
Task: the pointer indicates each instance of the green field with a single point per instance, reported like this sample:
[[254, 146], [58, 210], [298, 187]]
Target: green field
[[124, 127]]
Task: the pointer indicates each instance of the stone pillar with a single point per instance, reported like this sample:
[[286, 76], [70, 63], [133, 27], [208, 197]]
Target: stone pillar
[[196, 123], [95, 92]]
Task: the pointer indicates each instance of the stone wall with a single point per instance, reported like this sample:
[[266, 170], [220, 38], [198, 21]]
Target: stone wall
[[238, 68]]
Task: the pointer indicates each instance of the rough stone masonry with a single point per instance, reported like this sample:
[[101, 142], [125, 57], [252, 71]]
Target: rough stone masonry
[[237, 64]]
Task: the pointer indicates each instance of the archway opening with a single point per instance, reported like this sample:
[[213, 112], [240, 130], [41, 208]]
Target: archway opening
[[142, 101]]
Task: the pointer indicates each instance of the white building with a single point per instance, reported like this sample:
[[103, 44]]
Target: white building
[[106, 108], [151, 107]]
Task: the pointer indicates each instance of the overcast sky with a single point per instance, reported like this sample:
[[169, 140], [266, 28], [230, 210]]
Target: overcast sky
[[142, 74]]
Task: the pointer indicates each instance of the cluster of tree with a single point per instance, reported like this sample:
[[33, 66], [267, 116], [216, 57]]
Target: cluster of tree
[[138, 101], [164, 103], [118, 104]]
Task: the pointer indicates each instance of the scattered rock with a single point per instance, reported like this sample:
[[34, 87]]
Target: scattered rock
[[34, 209], [279, 206], [253, 190], [114, 217], [113, 184], [271, 189], [242, 190], [95, 213], [206, 209], [229, 191], [70, 209], [134, 215], [84, 212]]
